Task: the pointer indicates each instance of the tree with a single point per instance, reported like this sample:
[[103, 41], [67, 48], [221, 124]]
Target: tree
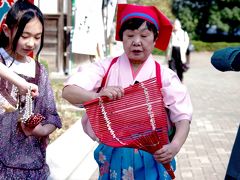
[[163, 5], [197, 16]]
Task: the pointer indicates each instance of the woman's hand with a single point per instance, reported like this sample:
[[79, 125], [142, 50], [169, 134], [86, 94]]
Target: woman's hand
[[112, 92], [166, 153]]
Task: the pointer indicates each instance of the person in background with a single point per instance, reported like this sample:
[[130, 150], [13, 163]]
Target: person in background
[[190, 49], [18, 81], [228, 59], [23, 148], [140, 28], [176, 52]]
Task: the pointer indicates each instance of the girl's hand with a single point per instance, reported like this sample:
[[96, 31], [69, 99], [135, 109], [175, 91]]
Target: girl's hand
[[113, 92], [38, 131], [23, 88], [34, 89], [166, 153]]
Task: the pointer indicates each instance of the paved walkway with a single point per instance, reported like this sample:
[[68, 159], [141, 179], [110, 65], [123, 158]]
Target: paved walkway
[[216, 100], [215, 96]]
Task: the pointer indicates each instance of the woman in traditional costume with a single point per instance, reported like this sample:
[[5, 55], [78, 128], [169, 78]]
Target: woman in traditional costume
[[140, 28]]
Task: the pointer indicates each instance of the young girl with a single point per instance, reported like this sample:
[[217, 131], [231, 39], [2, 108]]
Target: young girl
[[23, 149], [140, 28]]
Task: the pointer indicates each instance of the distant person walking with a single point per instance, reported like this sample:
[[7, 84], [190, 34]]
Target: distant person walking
[[177, 48], [190, 49]]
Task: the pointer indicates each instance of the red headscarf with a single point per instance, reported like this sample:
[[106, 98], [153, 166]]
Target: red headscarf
[[150, 14]]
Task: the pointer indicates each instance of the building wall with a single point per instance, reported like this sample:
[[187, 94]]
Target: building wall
[[55, 13]]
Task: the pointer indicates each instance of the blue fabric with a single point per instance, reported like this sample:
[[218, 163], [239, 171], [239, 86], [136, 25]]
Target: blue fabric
[[128, 164], [143, 15], [233, 170], [227, 59]]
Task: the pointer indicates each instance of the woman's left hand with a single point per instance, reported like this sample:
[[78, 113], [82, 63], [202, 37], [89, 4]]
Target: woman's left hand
[[166, 153]]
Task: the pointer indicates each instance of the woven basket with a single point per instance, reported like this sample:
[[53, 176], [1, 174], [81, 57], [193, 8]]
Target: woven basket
[[137, 120]]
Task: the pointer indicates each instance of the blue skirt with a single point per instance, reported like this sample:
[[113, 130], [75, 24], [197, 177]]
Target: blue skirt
[[128, 164]]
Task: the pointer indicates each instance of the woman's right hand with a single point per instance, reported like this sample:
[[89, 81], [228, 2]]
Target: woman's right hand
[[112, 92]]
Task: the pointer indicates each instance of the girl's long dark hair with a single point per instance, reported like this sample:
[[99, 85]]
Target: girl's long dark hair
[[17, 17]]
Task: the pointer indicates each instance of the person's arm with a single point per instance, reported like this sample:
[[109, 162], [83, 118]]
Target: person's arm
[[177, 100], [186, 41], [39, 131], [168, 52], [77, 95], [46, 106], [18, 81], [167, 153]]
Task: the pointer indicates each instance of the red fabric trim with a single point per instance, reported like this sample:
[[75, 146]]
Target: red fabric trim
[[158, 74], [106, 75]]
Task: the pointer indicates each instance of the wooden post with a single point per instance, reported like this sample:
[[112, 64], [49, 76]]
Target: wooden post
[[68, 30], [60, 37]]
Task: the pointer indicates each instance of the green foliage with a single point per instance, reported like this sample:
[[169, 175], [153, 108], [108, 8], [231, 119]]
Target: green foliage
[[163, 5], [208, 46], [196, 16], [203, 46], [158, 52]]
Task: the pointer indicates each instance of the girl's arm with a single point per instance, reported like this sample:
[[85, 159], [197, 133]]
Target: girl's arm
[[18, 81], [46, 106]]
